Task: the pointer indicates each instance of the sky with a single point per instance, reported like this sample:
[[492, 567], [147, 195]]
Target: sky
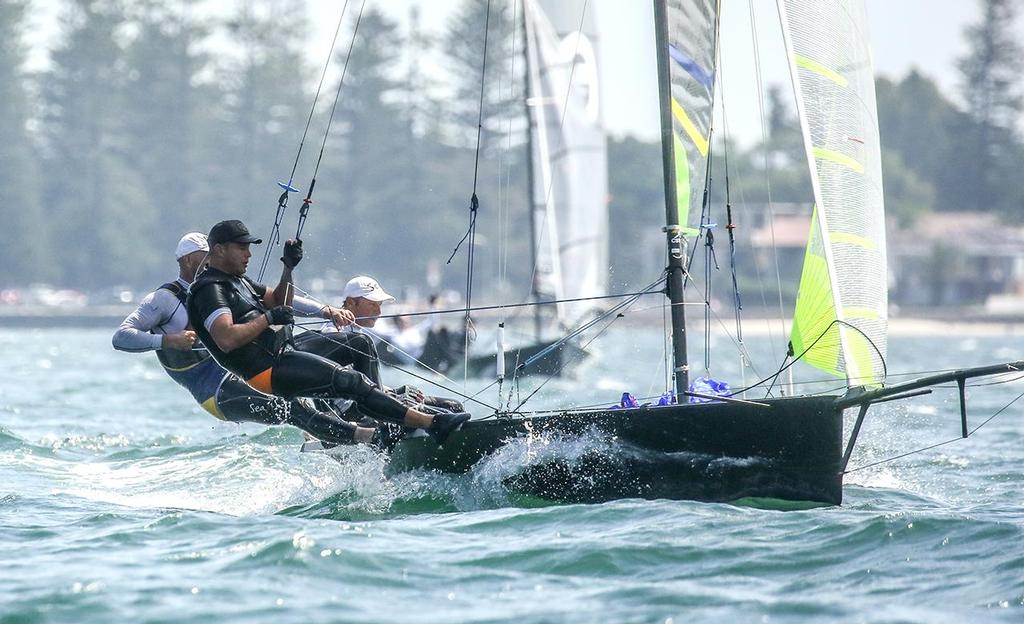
[[926, 34], [904, 34]]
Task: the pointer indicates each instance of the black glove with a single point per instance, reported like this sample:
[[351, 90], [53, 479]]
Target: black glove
[[280, 315], [292, 253]]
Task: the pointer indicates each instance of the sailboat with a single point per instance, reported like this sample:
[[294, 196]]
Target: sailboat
[[727, 448], [568, 186]]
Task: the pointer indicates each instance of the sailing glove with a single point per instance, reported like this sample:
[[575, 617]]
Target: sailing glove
[[280, 315], [292, 253]]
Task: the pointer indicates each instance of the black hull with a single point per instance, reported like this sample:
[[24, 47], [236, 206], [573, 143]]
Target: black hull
[[560, 362], [790, 450]]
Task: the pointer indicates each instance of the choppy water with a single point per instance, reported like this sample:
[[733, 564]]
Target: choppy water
[[121, 501]]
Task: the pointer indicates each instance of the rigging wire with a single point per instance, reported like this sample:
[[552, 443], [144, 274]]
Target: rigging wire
[[767, 174], [933, 446], [615, 313], [282, 201], [328, 336], [617, 316], [474, 201], [520, 305], [730, 225], [304, 210]]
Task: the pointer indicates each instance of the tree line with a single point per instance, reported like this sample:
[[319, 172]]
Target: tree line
[[152, 119]]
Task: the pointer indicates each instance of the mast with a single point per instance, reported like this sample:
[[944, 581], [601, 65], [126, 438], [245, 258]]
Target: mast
[[673, 230], [530, 120]]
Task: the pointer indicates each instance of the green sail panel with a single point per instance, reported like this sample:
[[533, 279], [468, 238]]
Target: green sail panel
[[846, 259], [692, 34]]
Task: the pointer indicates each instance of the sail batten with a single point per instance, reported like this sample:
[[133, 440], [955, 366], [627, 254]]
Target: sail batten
[[840, 322]]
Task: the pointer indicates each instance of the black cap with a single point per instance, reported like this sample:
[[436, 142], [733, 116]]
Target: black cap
[[231, 231]]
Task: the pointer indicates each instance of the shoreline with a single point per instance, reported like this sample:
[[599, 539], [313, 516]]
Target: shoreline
[[960, 322]]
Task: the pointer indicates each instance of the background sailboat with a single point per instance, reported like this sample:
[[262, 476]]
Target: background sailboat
[[568, 185]]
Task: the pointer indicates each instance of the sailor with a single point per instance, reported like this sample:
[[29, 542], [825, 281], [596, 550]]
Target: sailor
[[160, 324], [363, 298], [247, 327]]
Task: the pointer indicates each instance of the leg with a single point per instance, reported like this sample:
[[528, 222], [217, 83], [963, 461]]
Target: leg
[[240, 403], [296, 373], [345, 349]]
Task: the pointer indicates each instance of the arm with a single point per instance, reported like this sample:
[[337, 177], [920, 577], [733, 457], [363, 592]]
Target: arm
[[230, 335], [282, 293], [308, 307], [134, 335]]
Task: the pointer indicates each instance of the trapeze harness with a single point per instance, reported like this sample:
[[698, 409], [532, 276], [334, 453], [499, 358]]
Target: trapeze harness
[[271, 363], [194, 370]]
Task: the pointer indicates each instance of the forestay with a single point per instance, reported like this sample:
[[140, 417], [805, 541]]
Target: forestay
[[844, 273], [569, 156]]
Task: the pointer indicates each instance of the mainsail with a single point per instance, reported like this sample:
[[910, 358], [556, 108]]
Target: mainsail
[[841, 310], [569, 192], [692, 34]]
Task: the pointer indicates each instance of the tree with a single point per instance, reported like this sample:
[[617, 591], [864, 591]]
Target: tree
[[990, 86], [926, 132], [170, 118], [464, 49], [907, 196], [23, 236], [636, 210], [267, 95], [100, 211]]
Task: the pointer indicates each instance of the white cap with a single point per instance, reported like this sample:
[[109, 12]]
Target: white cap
[[366, 287], [189, 243]]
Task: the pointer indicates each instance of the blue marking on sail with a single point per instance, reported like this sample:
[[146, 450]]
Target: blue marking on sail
[[691, 67]]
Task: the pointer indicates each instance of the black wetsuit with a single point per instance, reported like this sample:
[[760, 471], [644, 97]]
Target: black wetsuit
[[219, 392], [271, 362]]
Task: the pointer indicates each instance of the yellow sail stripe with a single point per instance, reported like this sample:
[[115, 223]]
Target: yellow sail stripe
[[860, 313], [851, 239], [690, 127], [838, 158], [821, 70]]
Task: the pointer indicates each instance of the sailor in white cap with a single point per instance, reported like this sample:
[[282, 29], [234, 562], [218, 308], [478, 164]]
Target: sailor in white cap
[[363, 297], [160, 324]]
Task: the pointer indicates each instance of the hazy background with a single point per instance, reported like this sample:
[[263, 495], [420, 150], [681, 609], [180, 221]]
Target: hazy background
[[125, 124]]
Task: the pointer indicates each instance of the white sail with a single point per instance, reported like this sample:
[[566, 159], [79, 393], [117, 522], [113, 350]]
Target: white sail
[[569, 159], [841, 314]]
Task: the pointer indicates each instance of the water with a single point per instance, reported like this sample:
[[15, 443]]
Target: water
[[123, 501]]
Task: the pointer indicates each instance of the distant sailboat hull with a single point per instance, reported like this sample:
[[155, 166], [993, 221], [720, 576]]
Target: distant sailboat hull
[[790, 450], [561, 361]]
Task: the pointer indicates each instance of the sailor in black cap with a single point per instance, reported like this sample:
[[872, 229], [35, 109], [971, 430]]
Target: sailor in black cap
[[247, 328], [160, 324]]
